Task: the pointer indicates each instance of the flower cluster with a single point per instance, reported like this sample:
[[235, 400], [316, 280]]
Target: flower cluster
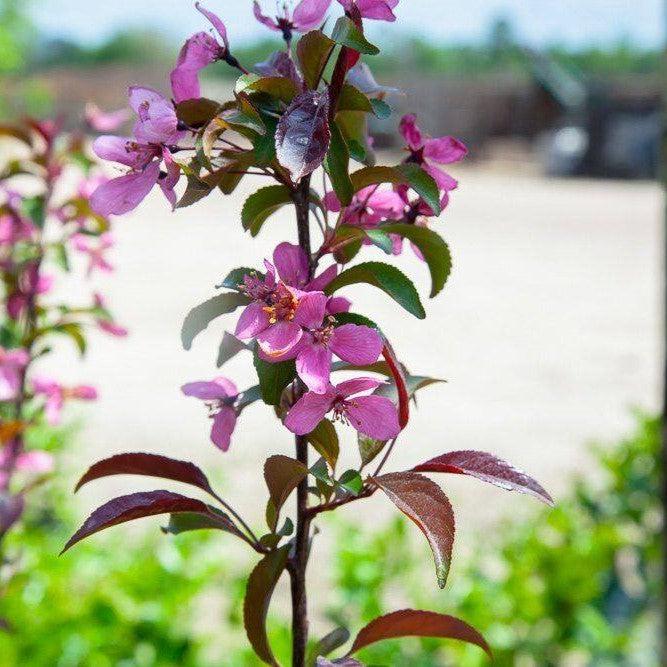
[[302, 118], [43, 234]]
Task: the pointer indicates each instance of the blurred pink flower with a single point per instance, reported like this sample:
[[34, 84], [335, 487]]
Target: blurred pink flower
[[105, 121], [370, 206], [12, 365], [95, 248], [30, 283], [56, 395], [104, 319], [219, 394]]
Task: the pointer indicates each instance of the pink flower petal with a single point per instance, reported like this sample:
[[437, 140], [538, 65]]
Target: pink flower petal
[[102, 121], [198, 52], [338, 304], [374, 416], [215, 22], [217, 389], [442, 178], [279, 338], [157, 117], [309, 14], [292, 264], [313, 364], [168, 182], [445, 150], [308, 412], [356, 386], [35, 461], [311, 309], [253, 320], [262, 18], [112, 328], [123, 194], [411, 132], [84, 392], [356, 344], [123, 150], [224, 422], [318, 283], [379, 10], [331, 202]]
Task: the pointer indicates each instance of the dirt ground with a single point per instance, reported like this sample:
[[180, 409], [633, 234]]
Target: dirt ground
[[547, 333]]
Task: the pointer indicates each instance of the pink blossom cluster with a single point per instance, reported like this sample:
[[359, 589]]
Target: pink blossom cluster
[[41, 236]]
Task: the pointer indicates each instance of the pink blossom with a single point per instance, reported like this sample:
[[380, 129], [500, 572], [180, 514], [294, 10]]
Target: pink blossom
[[30, 283], [278, 313], [56, 394], [95, 250], [291, 263], [155, 133], [35, 461], [374, 416], [307, 15], [429, 152], [14, 228], [105, 321], [198, 52], [359, 345], [369, 207], [380, 10], [105, 121], [12, 366], [220, 394]]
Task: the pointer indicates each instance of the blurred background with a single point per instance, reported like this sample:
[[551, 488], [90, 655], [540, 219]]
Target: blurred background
[[549, 332]]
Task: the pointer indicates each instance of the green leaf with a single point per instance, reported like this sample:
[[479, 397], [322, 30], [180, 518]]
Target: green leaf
[[35, 209], [385, 277], [433, 248], [352, 99], [313, 51], [406, 174], [282, 475], [195, 190], [261, 584], [369, 448], [351, 481], [244, 116], [276, 86], [328, 644], [325, 441], [380, 108], [346, 33], [235, 277], [354, 126], [230, 346], [273, 378], [262, 204], [202, 315], [74, 331], [185, 522], [337, 163], [380, 239], [355, 318], [197, 113], [320, 471], [265, 144]]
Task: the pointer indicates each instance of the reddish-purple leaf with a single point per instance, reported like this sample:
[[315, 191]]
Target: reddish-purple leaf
[[303, 134], [416, 623], [282, 474], [11, 508], [424, 502], [488, 468], [261, 584], [135, 506], [149, 465]]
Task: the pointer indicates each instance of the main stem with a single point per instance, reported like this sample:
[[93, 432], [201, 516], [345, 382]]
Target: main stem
[[299, 560]]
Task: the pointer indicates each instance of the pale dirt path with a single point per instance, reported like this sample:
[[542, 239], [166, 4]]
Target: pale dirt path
[[547, 332]]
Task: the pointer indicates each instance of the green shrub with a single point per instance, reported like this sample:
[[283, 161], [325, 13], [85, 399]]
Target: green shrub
[[576, 584]]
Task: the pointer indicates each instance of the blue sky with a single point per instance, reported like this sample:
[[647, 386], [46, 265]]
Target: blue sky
[[538, 22]]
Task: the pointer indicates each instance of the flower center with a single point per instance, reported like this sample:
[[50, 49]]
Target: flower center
[[281, 304]]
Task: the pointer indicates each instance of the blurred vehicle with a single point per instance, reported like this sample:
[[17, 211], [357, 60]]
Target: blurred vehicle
[[599, 131]]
